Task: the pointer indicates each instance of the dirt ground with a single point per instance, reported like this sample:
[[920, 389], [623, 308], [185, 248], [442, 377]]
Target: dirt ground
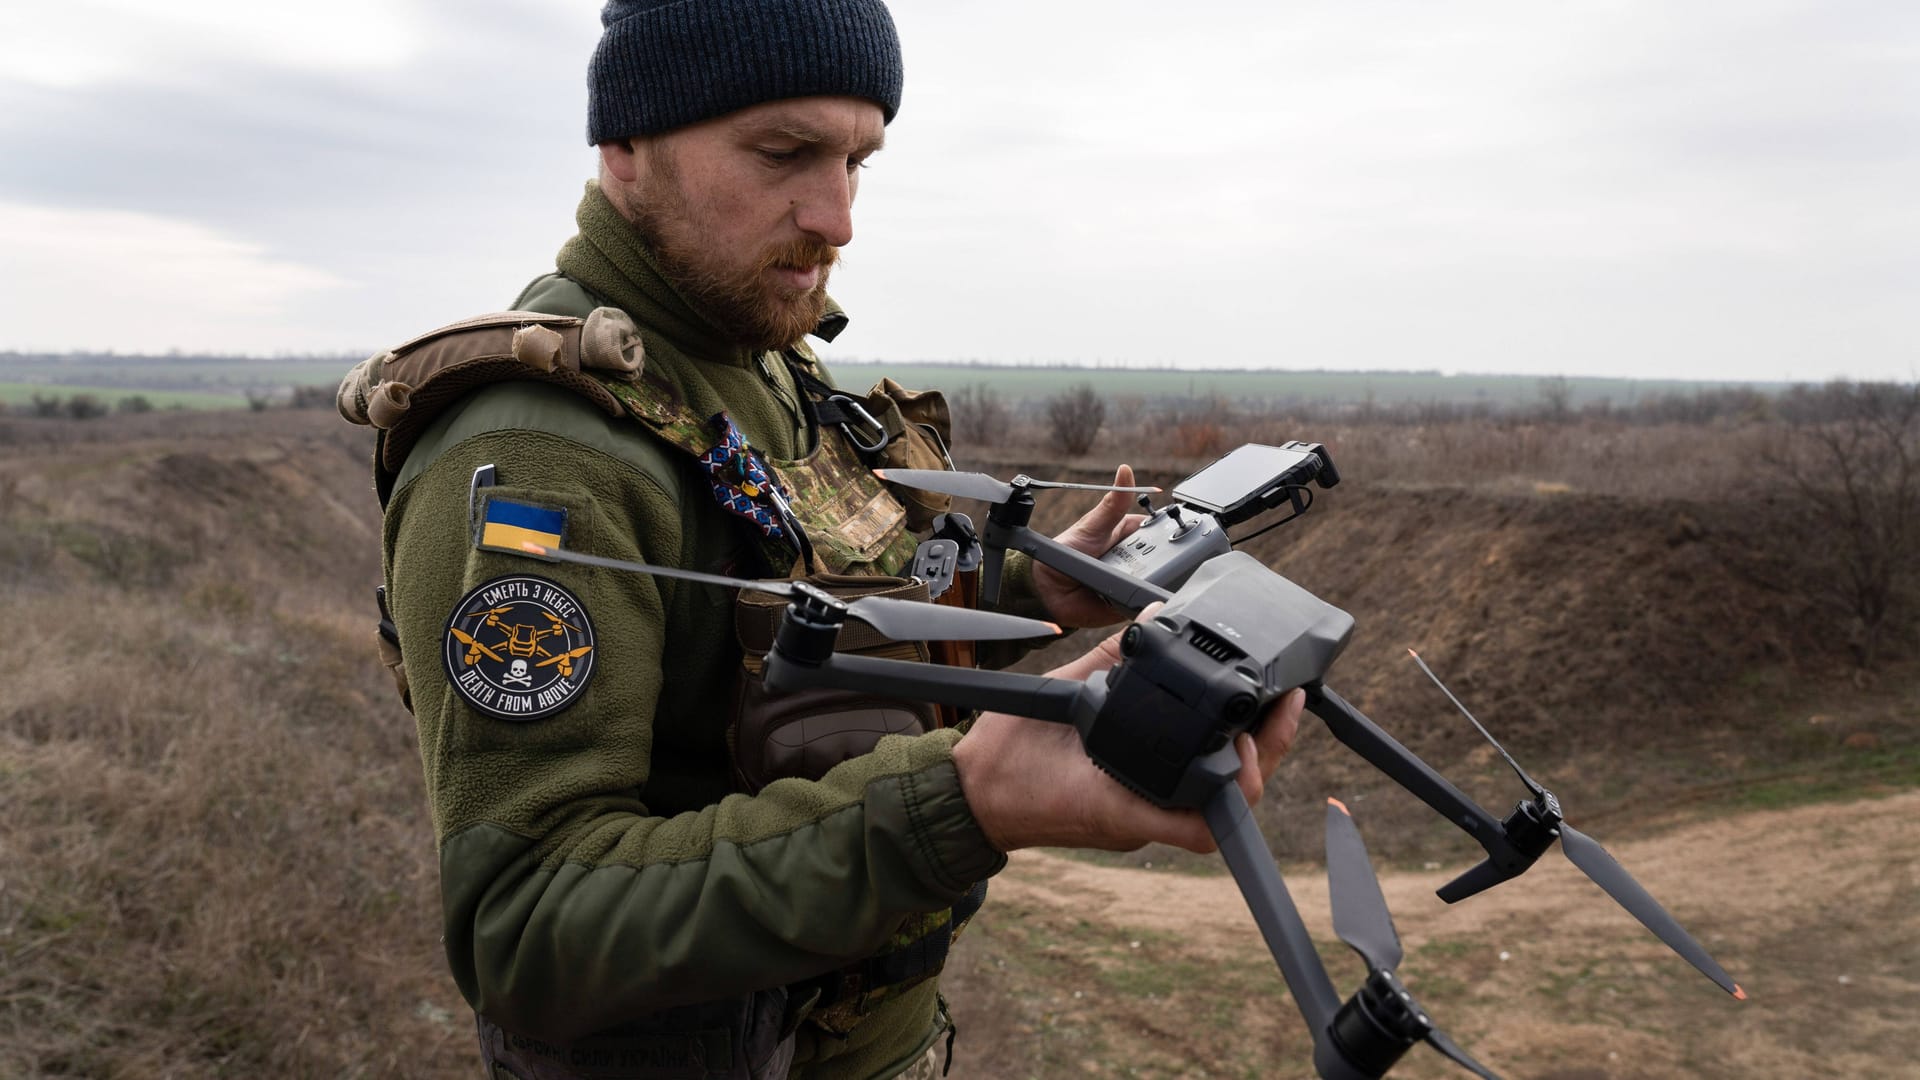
[[1815, 910]]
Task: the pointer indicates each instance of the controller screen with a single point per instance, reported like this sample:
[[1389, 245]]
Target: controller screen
[[1243, 472]]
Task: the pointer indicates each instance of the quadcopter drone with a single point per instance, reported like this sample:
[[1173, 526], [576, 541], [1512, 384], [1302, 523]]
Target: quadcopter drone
[[1230, 637]]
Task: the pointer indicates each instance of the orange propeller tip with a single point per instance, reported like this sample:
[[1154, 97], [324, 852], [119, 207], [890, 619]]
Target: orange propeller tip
[[1056, 628], [528, 545], [881, 473], [1331, 801], [1739, 994], [1413, 654]]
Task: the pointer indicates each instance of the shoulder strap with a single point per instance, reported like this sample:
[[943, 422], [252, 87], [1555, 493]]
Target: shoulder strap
[[401, 391]]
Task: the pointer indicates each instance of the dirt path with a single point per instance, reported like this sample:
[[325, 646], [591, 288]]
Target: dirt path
[[1815, 910]]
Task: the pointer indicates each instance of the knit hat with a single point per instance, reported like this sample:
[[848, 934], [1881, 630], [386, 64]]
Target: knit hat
[[663, 64]]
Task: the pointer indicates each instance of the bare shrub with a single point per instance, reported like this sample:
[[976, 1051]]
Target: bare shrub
[[1199, 438], [1074, 418], [135, 403], [1851, 453], [1205, 428], [45, 406], [980, 416], [1556, 398], [85, 407], [313, 397]]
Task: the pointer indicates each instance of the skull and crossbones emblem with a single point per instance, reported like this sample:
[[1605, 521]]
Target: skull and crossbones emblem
[[517, 674]]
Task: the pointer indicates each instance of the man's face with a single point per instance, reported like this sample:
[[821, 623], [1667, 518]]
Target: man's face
[[747, 212]]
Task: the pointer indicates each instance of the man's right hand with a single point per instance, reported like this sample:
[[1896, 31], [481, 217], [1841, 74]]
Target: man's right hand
[[1030, 784]]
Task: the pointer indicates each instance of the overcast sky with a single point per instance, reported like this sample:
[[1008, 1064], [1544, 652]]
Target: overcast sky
[[1704, 189]]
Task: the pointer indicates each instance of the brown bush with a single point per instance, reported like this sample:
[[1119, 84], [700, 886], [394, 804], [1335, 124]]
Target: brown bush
[[1074, 418], [981, 416], [1851, 453], [1199, 438]]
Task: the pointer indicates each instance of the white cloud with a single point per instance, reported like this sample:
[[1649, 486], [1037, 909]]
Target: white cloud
[[77, 43], [128, 281]]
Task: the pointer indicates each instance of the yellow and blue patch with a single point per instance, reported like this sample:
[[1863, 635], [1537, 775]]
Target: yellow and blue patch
[[508, 524]]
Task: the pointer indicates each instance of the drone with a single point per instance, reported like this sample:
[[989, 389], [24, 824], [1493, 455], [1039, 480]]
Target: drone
[[1230, 637]]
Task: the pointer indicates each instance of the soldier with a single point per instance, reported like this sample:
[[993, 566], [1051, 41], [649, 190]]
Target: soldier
[[621, 899]]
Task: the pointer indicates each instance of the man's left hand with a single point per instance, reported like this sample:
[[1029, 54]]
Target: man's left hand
[[1068, 602]]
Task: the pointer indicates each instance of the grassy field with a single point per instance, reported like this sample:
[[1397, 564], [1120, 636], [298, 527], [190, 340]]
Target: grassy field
[[114, 376], [20, 393], [1305, 387], [233, 377]]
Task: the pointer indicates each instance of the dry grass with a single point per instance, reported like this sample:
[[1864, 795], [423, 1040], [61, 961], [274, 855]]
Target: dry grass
[[1581, 455], [216, 858]]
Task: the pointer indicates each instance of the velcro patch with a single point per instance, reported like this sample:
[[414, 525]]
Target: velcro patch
[[519, 648]]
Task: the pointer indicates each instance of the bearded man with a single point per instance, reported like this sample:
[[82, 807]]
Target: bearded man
[[621, 899]]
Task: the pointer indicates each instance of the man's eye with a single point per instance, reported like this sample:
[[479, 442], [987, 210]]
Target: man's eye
[[856, 163], [778, 157]]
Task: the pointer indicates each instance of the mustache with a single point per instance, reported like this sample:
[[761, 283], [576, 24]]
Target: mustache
[[803, 253]]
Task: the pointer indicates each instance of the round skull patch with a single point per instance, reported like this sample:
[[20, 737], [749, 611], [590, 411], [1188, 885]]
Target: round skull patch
[[519, 648]]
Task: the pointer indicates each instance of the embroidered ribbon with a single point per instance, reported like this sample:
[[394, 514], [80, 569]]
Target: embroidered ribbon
[[740, 480]]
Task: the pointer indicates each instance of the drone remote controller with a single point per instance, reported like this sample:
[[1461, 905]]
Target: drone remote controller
[[1169, 546], [1192, 529]]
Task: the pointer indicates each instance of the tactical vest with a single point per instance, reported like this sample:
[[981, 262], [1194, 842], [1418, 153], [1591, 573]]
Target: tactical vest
[[832, 520]]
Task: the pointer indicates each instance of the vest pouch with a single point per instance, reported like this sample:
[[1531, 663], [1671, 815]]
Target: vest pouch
[[806, 733], [919, 428]]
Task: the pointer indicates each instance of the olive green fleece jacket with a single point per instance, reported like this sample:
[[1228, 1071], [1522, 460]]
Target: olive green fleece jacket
[[597, 865]]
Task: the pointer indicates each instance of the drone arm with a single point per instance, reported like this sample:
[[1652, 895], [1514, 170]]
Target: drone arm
[[1123, 589], [1245, 850], [1367, 739], [1036, 696]]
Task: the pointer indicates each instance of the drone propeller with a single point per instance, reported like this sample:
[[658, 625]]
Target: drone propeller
[[902, 620], [973, 485], [1586, 853], [1382, 1020]]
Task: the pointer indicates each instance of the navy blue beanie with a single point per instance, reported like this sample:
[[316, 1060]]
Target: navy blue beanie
[[663, 64]]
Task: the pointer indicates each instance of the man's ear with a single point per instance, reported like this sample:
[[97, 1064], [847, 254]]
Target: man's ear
[[618, 158]]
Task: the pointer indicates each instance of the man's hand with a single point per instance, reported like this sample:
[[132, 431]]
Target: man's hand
[[1069, 602], [1030, 784]]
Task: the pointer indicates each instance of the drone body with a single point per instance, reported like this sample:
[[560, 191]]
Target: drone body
[[1235, 637]]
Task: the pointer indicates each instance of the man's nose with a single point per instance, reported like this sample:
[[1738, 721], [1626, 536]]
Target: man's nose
[[826, 210]]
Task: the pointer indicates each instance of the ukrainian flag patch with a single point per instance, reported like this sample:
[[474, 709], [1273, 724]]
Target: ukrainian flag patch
[[509, 524]]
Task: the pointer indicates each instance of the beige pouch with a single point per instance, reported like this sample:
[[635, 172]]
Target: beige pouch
[[919, 427]]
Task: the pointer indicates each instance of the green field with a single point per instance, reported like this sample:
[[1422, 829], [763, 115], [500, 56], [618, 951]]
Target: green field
[[233, 376], [1305, 387], [214, 382], [21, 393]]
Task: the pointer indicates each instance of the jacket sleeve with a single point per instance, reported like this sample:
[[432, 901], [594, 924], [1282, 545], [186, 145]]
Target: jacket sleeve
[[569, 905]]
